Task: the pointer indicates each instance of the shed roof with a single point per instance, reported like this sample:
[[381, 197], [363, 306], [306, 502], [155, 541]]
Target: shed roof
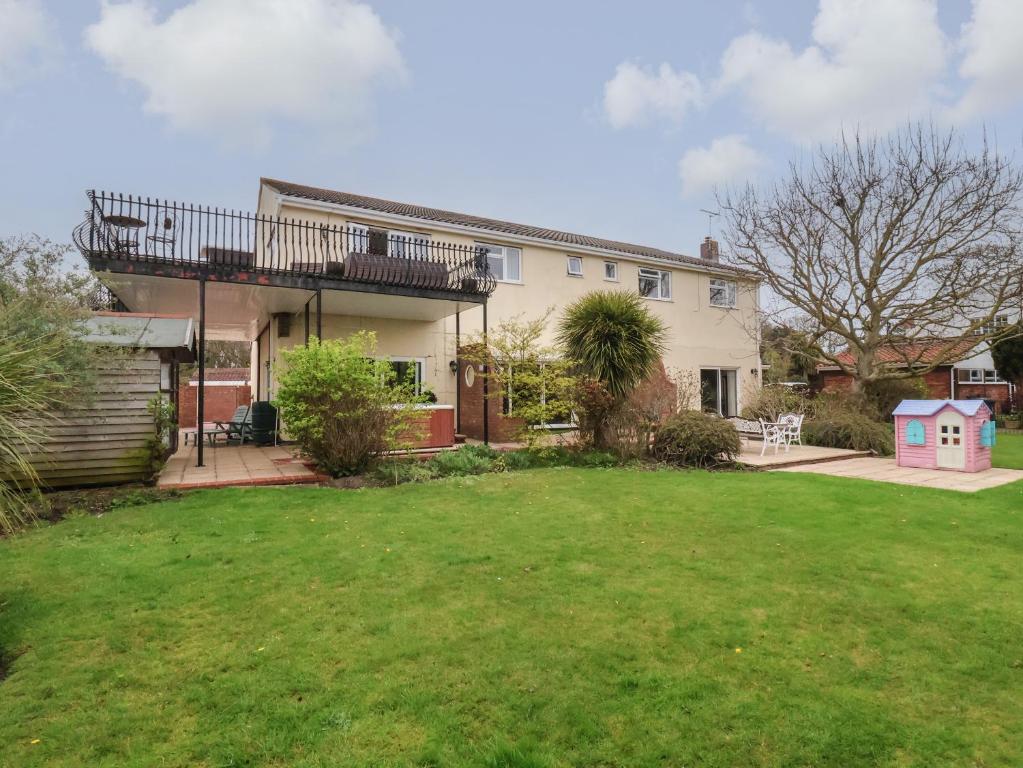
[[140, 331], [931, 407]]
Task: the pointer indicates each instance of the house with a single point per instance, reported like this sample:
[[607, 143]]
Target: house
[[317, 262], [969, 372], [944, 434], [225, 390]]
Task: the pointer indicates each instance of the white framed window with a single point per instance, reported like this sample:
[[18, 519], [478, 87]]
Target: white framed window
[[719, 391], [575, 266], [407, 245], [408, 366], [358, 238], [991, 377], [994, 325], [611, 271], [722, 293], [654, 283], [504, 261], [971, 376]]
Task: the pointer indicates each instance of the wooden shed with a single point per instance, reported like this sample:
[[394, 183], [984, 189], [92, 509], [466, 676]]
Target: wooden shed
[[944, 434], [104, 440]]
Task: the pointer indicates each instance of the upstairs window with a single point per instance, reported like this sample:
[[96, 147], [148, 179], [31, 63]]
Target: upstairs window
[[655, 283], [722, 293], [611, 271], [575, 266], [505, 262], [992, 326]]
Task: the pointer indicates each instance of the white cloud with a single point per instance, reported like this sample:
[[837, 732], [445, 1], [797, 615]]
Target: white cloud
[[634, 95], [28, 40], [235, 67], [728, 159], [992, 57], [874, 64]]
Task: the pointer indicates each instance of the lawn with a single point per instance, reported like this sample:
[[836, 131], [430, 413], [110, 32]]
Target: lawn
[[545, 618], [1008, 451]]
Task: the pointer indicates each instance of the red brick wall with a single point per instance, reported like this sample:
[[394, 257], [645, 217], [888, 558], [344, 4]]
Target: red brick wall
[[219, 406], [997, 392], [502, 429]]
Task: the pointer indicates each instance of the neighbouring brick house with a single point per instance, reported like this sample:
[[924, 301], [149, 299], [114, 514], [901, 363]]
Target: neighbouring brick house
[[225, 390], [971, 375]]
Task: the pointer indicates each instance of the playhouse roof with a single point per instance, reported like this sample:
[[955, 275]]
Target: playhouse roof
[[931, 407]]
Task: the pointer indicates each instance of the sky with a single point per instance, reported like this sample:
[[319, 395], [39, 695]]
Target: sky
[[597, 118]]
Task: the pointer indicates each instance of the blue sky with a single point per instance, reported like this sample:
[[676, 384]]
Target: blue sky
[[607, 120]]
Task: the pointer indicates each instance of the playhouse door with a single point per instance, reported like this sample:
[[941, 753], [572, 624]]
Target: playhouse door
[[951, 441]]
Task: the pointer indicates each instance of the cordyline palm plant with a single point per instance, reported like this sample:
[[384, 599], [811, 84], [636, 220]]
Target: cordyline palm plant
[[616, 341]]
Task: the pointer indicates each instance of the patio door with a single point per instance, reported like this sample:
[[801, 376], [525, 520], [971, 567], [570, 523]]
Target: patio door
[[951, 429], [718, 391]]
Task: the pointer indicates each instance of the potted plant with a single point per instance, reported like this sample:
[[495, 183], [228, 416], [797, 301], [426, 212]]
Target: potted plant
[[1011, 420]]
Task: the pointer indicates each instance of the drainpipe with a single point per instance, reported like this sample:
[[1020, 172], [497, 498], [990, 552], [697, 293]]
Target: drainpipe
[[319, 314], [952, 382]]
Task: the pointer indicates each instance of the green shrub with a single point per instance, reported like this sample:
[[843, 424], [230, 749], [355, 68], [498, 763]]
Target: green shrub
[[399, 471], [467, 460], [853, 431], [341, 406], [694, 439], [773, 399], [882, 397]]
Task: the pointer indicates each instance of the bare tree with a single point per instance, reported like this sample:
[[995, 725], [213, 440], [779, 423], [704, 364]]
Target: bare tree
[[908, 243]]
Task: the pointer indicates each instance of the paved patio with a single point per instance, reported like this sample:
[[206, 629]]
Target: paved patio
[[795, 455], [227, 465], [887, 471]]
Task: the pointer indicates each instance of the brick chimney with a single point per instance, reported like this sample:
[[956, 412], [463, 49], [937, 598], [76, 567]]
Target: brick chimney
[[709, 249]]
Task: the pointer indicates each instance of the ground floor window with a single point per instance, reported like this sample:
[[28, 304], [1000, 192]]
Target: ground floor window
[[408, 366], [718, 387]]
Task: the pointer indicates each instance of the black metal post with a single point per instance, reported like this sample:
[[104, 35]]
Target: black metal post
[[307, 323], [486, 379], [319, 314], [200, 411], [458, 373]]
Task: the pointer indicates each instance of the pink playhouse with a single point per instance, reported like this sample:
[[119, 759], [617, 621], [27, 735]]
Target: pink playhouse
[[944, 434]]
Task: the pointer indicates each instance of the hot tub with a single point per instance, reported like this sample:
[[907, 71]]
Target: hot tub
[[433, 426]]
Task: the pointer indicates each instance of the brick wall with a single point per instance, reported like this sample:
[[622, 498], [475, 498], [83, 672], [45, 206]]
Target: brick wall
[[939, 386], [997, 392], [502, 429], [219, 406]]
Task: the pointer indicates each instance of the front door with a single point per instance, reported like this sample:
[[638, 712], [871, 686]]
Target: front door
[[951, 441]]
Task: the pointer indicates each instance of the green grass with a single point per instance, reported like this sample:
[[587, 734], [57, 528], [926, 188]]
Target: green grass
[[544, 618], [1008, 451]]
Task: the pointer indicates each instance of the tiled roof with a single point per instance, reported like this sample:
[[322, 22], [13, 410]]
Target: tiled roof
[[931, 407], [493, 225], [922, 352], [223, 374]]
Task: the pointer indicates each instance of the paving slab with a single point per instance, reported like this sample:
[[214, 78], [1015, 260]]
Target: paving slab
[[885, 470]]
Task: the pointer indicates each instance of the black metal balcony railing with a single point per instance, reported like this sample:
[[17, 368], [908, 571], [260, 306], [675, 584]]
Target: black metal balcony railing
[[144, 230]]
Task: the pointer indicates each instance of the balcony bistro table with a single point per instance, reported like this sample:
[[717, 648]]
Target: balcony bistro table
[[126, 230]]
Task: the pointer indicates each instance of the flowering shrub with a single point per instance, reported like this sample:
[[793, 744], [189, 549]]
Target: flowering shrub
[[342, 406]]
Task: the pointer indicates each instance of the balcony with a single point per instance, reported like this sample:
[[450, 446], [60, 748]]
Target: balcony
[[126, 234]]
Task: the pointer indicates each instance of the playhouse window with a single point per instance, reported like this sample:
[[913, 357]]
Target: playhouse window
[[915, 434], [987, 434], [950, 435]]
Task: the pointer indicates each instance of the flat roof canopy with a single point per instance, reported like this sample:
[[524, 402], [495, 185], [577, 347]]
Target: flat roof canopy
[[238, 311]]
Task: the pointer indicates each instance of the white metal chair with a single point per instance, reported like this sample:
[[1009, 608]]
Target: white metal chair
[[792, 428], [772, 435]]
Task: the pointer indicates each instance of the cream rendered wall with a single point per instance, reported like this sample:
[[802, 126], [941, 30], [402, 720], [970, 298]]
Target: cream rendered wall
[[700, 336]]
